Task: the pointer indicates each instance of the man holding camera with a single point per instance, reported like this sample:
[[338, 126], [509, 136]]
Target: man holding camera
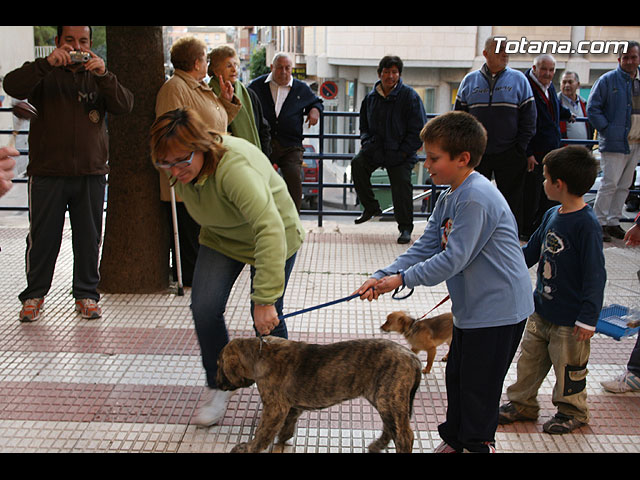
[[72, 91]]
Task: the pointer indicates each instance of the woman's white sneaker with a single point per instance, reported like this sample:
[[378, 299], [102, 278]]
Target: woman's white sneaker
[[213, 408]]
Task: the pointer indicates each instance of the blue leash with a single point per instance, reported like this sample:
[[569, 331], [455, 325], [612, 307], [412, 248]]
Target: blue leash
[[334, 302], [299, 312]]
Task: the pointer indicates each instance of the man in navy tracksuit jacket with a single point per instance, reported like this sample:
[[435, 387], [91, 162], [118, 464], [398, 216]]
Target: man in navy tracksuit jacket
[[285, 101], [547, 137], [502, 100]]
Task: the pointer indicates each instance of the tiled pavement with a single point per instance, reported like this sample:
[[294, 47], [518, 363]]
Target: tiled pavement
[[130, 381]]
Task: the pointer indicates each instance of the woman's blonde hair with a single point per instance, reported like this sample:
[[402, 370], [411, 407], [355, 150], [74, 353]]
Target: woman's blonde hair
[[182, 129], [185, 51]]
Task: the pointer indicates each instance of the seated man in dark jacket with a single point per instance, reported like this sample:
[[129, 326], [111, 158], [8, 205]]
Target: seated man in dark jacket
[[285, 100], [391, 117]]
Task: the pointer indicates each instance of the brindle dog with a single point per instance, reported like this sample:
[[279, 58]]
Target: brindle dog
[[296, 376]]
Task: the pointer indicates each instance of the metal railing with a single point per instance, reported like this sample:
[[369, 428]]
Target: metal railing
[[428, 190], [3, 133], [42, 51]]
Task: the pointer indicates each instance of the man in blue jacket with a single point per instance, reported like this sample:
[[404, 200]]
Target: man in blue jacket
[[502, 100], [285, 101], [614, 111], [548, 137], [391, 118]]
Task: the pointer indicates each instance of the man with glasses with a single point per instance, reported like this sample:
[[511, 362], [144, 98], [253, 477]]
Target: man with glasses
[[72, 91]]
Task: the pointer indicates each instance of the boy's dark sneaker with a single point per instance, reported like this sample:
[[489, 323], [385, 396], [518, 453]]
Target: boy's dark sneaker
[[561, 424], [508, 413]]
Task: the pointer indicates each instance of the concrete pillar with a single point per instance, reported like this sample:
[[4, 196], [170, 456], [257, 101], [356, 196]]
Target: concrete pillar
[[483, 33], [577, 63]]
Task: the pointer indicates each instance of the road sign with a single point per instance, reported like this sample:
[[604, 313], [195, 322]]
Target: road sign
[[329, 90]]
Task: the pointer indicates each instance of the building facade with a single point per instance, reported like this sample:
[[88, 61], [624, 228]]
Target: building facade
[[436, 58]]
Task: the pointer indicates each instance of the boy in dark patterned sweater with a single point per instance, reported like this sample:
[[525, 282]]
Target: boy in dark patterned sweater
[[568, 296]]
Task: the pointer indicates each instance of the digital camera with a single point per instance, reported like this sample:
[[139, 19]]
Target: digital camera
[[79, 57]]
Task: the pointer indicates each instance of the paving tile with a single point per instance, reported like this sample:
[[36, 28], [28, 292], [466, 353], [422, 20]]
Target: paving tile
[[131, 381]]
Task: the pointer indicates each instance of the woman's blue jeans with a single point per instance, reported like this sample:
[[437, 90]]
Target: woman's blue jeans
[[213, 278]]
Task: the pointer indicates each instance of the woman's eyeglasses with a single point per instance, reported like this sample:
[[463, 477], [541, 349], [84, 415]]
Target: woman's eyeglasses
[[180, 163]]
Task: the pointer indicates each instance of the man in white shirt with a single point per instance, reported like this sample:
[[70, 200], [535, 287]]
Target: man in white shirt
[[547, 138]]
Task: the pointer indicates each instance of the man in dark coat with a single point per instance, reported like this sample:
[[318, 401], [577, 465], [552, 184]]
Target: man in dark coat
[[391, 118], [285, 101], [547, 137]]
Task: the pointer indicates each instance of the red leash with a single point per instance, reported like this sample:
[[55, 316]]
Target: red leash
[[399, 289], [441, 302]]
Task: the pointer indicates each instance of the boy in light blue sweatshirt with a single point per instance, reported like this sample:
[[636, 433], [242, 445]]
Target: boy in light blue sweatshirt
[[471, 243]]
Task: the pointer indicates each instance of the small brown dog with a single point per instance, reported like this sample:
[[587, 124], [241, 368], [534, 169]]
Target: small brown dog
[[425, 334], [296, 376]]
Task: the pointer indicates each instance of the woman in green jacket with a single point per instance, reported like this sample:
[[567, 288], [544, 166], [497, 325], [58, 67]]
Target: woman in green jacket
[[249, 123], [246, 215]]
